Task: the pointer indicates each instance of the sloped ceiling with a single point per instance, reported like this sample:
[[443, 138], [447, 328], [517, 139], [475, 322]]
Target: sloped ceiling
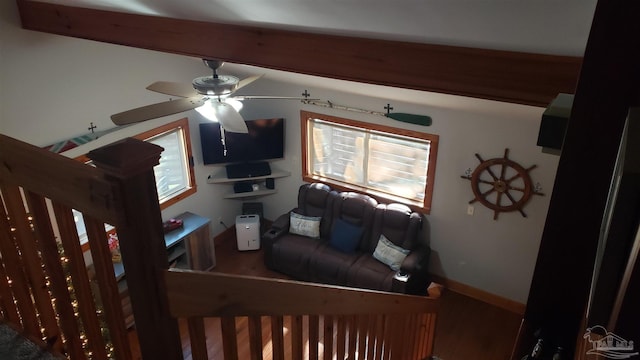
[[497, 49]]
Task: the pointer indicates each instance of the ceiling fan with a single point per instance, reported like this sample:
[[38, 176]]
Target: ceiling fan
[[209, 95]]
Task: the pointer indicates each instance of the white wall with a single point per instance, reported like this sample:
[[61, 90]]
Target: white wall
[[53, 87]]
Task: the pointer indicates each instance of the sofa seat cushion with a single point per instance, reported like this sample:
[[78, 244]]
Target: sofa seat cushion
[[369, 273], [291, 253], [330, 266]]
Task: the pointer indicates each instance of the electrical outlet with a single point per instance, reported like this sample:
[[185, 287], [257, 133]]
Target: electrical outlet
[[470, 209]]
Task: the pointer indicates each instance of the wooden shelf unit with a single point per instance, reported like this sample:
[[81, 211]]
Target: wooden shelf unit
[[189, 247], [221, 178]]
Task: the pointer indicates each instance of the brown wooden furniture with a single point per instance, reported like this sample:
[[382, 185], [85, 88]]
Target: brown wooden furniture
[[321, 321], [188, 247], [39, 189]]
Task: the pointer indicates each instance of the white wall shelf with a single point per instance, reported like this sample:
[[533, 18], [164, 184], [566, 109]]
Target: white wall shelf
[[220, 177]]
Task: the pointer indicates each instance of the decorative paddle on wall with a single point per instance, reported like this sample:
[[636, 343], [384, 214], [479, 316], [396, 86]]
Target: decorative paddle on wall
[[423, 120]]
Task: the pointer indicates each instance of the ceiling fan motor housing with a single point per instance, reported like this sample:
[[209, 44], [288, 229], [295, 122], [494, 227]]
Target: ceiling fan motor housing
[[216, 85]]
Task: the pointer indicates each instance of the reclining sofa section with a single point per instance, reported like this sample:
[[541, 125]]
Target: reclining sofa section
[[349, 239]]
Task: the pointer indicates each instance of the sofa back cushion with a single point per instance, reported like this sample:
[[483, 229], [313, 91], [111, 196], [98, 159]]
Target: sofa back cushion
[[398, 224], [317, 200], [345, 236], [356, 209]]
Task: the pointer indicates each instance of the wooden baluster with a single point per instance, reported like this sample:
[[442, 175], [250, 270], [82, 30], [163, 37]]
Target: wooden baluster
[[198, 338], [379, 336], [314, 336], [57, 278], [109, 293], [255, 337], [363, 325], [327, 337], [399, 336], [277, 339], [420, 337], [353, 336], [9, 308], [229, 338], [80, 279], [341, 338], [430, 335], [388, 336], [371, 336], [26, 259], [411, 336], [296, 337]]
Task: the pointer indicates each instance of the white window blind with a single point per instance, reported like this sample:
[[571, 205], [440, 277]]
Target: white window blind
[[384, 163], [172, 173]]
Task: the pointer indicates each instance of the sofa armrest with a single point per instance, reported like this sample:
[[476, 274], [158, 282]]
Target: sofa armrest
[[414, 271], [279, 227], [417, 261], [282, 222]]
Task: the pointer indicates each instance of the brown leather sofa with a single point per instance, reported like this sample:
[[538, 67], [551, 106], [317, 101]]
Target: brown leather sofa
[[325, 261]]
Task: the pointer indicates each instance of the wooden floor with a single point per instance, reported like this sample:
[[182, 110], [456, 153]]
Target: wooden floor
[[466, 328]]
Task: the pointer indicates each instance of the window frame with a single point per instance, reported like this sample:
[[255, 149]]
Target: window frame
[[308, 176], [177, 125]]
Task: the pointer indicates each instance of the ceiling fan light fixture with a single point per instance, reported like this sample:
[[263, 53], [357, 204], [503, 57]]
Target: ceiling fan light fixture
[[225, 113], [237, 104], [208, 111]]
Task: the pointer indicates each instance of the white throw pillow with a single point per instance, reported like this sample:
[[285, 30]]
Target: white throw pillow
[[304, 225], [390, 254]]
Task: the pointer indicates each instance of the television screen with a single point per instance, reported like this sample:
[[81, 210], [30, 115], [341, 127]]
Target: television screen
[[264, 141]]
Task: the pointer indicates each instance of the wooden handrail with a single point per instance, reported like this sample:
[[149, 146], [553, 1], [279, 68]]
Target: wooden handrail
[[195, 293], [76, 185], [319, 321], [45, 290]]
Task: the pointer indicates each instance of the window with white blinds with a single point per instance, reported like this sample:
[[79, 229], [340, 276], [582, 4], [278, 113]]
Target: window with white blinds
[[175, 179], [385, 162], [172, 173]]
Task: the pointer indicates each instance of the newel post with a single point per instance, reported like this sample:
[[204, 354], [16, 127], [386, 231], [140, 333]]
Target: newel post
[[130, 162]]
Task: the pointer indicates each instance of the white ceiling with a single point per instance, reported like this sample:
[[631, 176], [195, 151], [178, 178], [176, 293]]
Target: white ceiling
[[558, 27]]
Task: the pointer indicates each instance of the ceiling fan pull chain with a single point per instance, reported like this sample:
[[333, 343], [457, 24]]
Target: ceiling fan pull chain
[[222, 140]]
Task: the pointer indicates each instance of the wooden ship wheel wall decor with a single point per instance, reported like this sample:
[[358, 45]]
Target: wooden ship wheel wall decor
[[501, 184]]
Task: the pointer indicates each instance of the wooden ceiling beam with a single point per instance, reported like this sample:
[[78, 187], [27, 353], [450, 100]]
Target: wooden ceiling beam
[[525, 78]]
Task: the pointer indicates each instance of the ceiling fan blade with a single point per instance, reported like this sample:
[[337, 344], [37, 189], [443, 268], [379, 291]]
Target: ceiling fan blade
[[229, 118], [173, 88], [156, 110], [246, 81]]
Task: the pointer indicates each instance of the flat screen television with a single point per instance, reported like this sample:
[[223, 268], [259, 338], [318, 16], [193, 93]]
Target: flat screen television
[[265, 141]]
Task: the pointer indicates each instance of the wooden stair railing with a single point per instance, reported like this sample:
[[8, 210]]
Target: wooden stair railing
[[45, 291], [271, 318]]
